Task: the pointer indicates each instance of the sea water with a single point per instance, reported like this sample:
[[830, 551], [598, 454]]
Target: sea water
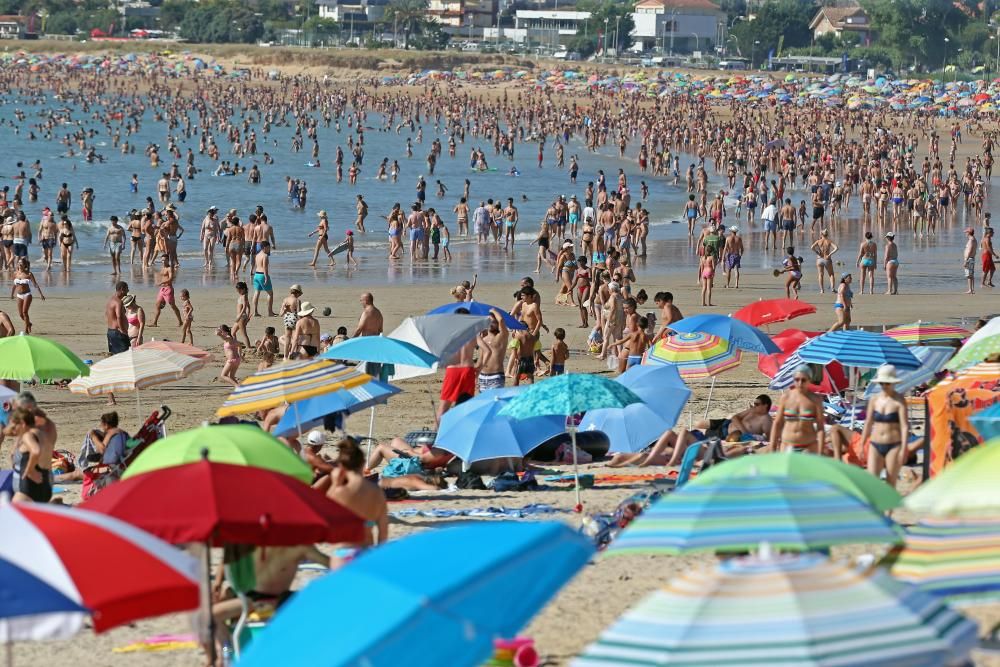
[[927, 264]]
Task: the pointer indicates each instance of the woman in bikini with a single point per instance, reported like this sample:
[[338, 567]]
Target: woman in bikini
[[234, 246], [706, 271], [886, 427], [581, 280], [845, 301], [21, 290], [794, 270], [825, 250], [242, 312], [231, 352], [67, 241], [867, 254], [136, 318], [798, 424]]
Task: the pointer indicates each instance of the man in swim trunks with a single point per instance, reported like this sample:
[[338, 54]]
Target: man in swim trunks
[[262, 278], [165, 296], [969, 259], [459, 382], [114, 314], [22, 235], [732, 253], [492, 345], [114, 241]]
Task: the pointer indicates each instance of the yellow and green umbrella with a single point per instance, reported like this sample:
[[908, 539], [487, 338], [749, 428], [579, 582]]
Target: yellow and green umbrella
[[24, 358], [237, 444], [289, 382]]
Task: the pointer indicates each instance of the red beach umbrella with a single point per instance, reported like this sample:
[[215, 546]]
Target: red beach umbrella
[[770, 311], [220, 503]]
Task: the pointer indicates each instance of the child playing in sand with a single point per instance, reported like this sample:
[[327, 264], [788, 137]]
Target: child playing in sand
[[187, 315], [267, 348], [560, 353]]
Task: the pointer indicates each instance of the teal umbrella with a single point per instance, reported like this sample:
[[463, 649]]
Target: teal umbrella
[[569, 395]]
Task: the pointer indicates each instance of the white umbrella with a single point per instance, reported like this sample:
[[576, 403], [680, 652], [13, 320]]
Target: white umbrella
[[441, 335]]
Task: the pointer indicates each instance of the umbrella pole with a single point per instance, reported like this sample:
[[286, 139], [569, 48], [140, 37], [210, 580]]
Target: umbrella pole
[[854, 394], [371, 432], [10, 653], [138, 407], [711, 389], [211, 616], [571, 427]]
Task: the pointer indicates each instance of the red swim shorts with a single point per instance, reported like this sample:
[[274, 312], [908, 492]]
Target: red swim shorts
[[458, 380]]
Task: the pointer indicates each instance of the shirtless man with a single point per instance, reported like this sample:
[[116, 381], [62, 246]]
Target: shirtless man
[[262, 279], [263, 232], [22, 236], [462, 217], [459, 382], [732, 255], [165, 296], [669, 313], [306, 333], [114, 241], [525, 349], [210, 233], [48, 231], [969, 259], [289, 314], [634, 344], [492, 345], [370, 322], [114, 314]]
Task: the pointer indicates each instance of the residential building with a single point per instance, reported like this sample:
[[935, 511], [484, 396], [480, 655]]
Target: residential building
[[678, 25], [12, 27], [463, 13], [358, 11], [843, 19], [550, 28]]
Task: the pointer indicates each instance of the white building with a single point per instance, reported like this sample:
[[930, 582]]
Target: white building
[[678, 25], [347, 10], [547, 27]]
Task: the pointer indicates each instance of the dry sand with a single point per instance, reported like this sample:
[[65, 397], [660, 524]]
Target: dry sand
[[601, 592]]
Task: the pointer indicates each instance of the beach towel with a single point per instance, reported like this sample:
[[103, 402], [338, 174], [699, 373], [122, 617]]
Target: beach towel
[[534, 509]]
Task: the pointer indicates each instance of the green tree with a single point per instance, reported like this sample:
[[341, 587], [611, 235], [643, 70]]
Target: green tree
[[406, 15], [611, 17], [915, 30], [788, 19], [172, 13], [61, 23]]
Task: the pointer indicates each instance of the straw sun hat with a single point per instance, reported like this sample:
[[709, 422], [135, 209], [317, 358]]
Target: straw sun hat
[[886, 375]]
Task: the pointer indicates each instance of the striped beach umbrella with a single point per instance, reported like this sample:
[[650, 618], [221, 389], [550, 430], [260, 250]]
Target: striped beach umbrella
[[289, 382], [967, 488], [179, 348], [735, 331], [858, 348], [834, 379], [740, 513], [927, 333], [801, 610], [696, 355], [958, 560], [932, 360], [134, 370]]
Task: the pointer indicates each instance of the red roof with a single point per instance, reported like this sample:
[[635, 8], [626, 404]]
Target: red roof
[[12, 18]]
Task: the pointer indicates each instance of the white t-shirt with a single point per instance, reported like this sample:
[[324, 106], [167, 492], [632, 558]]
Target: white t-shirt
[[769, 213], [588, 212]]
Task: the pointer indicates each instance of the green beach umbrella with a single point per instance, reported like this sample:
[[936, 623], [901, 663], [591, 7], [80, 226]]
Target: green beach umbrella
[[974, 352], [25, 358], [237, 444], [569, 395], [966, 489], [808, 468]]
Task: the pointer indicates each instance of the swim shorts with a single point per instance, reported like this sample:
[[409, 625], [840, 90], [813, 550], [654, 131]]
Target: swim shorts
[[118, 342], [491, 381], [262, 282], [458, 381]]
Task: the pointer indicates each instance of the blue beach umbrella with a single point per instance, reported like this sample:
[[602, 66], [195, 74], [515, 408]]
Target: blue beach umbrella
[[478, 308], [634, 427], [740, 513], [380, 350], [737, 332], [473, 431], [858, 348], [489, 580], [304, 415], [567, 396]]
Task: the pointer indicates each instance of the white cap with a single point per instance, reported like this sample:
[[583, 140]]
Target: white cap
[[316, 438]]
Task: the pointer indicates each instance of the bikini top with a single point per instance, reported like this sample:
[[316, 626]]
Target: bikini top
[[885, 417], [22, 281], [804, 415]]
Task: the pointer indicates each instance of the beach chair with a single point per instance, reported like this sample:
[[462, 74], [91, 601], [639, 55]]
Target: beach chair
[[241, 579], [153, 429]]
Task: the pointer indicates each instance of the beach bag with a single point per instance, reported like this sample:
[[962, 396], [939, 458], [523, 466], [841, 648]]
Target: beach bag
[[508, 481], [564, 454], [402, 466], [471, 481]]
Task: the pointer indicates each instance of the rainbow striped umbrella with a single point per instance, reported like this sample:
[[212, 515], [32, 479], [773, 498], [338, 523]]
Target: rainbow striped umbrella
[[739, 513], [290, 382], [927, 333], [801, 610], [696, 355], [955, 559]]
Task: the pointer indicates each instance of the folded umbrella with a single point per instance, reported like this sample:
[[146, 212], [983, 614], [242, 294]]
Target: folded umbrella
[[770, 311]]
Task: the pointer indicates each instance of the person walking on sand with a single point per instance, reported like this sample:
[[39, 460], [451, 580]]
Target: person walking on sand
[[165, 295], [732, 254], [988, 255], [21, 290], [825, 249], [210, 234], [845, 301], [114, 314], [969, 259], [114, 241], [867, 254], [891, 263], [322, 234], [262, 279]]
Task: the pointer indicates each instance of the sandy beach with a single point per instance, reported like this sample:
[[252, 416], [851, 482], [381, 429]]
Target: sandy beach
[[575, 616]]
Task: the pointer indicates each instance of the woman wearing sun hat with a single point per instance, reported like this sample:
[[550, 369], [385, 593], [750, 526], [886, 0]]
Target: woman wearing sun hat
[[886, 425]]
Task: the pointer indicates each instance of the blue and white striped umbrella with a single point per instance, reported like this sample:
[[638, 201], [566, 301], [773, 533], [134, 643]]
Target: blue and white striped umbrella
[[737, 514], [786, 374], [932, 359], [858, 348]]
